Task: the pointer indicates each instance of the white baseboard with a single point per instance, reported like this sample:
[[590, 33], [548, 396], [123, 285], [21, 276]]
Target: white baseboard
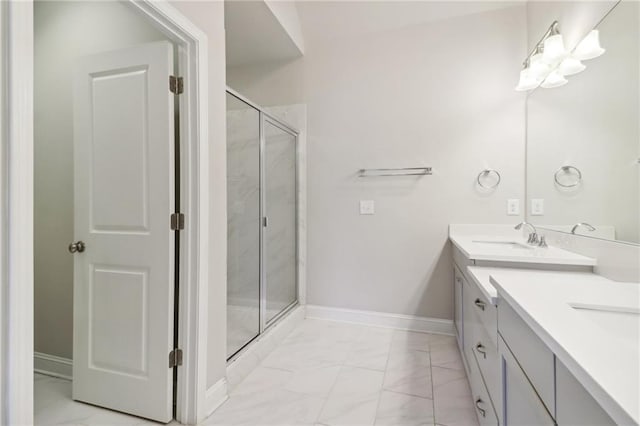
[[52, 365], [382, 319], [215, 396]]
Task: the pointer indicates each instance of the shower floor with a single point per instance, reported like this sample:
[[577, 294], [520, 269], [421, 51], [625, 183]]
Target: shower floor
[[243, 324]]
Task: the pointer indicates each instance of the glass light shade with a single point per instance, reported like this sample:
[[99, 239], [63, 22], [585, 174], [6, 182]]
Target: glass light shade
[[589, 47], [553, 48], [537, 67], [570, 66], [554, 79], [527, 81]]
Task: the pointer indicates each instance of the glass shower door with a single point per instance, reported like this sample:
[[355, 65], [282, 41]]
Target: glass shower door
[[243, 224], [280, 227]]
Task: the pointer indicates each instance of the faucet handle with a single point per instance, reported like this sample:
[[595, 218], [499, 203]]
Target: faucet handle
[[542, 242], [533, 238]]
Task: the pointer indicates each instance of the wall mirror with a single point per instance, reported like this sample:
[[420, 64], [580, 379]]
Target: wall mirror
[[583, 140]]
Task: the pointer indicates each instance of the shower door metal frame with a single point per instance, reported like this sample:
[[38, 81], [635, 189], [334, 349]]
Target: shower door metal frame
[[264, 117]]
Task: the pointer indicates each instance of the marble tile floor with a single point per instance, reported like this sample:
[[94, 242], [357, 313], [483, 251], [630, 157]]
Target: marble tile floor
[[324, 373], [53, 406], [331, 373]]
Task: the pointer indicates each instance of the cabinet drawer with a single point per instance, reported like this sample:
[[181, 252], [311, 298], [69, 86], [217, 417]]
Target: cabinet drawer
[[487, 312], [574, 405], [470, 323], [521, 404], [486, 355], [482, 402], [534, 357]]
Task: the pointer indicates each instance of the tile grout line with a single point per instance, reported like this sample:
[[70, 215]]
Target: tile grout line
[[433, 391], [333, 386], [384, 376]]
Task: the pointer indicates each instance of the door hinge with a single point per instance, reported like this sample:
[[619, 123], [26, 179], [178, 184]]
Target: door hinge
[[176, 84], [177, 221], [175, 358]]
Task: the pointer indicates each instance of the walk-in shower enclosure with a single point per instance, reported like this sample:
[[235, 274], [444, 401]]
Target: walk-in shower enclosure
[[262, 279]]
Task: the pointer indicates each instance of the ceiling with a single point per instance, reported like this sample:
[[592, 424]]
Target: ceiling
[[254, 34], [327, 20]]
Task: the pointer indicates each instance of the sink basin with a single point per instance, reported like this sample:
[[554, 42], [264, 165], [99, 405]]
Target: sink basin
[[620, 321], [503, 244]]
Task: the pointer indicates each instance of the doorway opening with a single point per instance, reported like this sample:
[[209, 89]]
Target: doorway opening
[[106, 214]]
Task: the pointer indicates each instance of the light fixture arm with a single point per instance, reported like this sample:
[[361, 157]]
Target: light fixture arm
[[554, 29]]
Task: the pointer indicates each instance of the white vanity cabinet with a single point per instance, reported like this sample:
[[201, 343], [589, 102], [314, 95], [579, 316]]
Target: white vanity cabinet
[[515, 378], [522, 406], [457, 304], [476, 328], [574, 405], [537, 388]]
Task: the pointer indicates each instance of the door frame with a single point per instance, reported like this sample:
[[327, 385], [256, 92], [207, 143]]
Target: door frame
[[16, 214]]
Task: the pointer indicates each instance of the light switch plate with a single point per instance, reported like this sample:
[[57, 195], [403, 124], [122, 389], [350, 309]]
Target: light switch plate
[[367, 207], [537, 206], [513, 207]]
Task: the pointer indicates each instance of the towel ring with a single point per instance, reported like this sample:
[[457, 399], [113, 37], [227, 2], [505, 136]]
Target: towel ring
[[487, 172], [567, 170]]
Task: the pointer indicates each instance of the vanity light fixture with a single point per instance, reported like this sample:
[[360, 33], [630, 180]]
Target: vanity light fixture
[[554, 79], [527, 79], [570, 66], [549, 62], [589, 47], [538, 66], [553, 49], [543, 59]]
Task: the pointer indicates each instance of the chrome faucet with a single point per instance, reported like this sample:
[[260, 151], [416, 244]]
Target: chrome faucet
[[590, 228], [533, 236]]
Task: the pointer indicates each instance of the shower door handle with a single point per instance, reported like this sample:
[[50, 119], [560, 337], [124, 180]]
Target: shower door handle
[[265, 222]]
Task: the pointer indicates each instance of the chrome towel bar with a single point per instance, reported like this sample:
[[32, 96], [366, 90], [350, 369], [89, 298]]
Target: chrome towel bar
[[404, 171]]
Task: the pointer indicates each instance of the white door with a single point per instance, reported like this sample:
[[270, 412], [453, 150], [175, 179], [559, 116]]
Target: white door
[[124, 196]]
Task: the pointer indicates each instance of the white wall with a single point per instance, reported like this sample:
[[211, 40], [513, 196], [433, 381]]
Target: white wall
[[592, 123], [209, 17], [438, 94], [287, 14], [64, 31]]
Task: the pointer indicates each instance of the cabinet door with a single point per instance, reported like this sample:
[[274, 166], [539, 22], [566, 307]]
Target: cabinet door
[[575, 406], [521, 405]]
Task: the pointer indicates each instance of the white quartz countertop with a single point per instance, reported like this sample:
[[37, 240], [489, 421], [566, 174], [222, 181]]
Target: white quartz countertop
[[490, 248], [482, 277], [572, 313]]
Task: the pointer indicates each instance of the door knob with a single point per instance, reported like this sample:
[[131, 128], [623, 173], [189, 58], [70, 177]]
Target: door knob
[[76, 247]]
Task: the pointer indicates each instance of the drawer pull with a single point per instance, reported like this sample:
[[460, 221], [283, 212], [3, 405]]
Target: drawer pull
[[482, 411], [481, 349], [480, 304]]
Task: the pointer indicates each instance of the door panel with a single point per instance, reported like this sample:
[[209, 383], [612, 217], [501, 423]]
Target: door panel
[[280, 258], [243, 224], [119, 137], [124, 195]]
